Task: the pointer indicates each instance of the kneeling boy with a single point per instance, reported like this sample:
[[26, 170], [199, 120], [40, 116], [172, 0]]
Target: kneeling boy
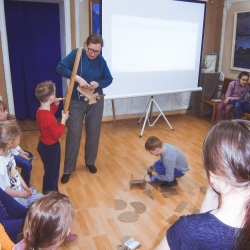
[[171, 165]]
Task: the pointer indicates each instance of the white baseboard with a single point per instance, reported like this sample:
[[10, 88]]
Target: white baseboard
[[133, 116]]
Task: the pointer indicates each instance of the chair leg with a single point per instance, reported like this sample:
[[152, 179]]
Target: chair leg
[[213, 114], [202, 109]]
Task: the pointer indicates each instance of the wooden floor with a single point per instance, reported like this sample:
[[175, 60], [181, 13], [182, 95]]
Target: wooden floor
[[122, 153]]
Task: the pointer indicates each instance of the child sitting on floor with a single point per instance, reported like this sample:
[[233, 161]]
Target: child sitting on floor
[[10, 180], [22, 157], [170, 166]]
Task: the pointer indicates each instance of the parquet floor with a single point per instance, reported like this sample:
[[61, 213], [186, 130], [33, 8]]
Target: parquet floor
[[122, 153]]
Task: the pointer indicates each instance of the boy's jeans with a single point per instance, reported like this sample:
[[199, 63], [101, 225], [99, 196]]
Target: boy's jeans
[[159, 168]]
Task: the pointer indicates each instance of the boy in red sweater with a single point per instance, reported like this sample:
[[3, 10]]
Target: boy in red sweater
[[51, 132]]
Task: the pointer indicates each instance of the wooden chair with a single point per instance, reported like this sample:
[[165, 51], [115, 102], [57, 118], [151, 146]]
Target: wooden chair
[[214, 102], [247, 115]]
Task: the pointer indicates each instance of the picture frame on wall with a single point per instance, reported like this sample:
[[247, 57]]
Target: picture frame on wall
[[240, 59], [94, 17]]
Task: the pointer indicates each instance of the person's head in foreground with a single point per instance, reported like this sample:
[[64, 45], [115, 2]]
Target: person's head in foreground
[[154, 146], [48, 222], [226, 157]]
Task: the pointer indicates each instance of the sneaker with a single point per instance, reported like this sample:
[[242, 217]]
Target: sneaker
[[71, 237], [92, 168], [169, 184]]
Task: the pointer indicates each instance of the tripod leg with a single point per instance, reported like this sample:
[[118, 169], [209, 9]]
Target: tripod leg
[[146, 117], [163, 116], [145, 111]]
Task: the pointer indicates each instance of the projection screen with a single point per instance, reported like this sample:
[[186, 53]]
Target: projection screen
[[152, 46]]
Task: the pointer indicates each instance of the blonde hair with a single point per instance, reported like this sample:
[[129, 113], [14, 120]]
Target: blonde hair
[[48, 221], [9, 130], [44, 90]]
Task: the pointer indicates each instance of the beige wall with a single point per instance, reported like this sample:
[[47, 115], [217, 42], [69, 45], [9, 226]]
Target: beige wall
[[228, 38], [213, 24], [2, 78], [84, 21]]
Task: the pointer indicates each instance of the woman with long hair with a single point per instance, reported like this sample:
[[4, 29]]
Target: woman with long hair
[[226, 157]]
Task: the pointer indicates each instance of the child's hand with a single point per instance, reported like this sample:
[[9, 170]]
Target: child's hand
[[26, 194], [227, 100], [57, 101], [154, 173], [64, 117], [24, 155], [28, 190], [150, 170]]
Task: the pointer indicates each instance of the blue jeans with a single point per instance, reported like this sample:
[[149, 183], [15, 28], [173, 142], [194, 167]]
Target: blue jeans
[[12, 215], [241, 107], [159, 168], [26, 167], [51, 155]]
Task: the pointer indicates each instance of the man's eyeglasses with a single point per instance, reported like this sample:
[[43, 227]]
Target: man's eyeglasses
[[93, 51]]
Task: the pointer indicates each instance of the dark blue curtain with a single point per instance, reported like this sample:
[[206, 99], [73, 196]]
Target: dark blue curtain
[[96, 18], [33, 31]]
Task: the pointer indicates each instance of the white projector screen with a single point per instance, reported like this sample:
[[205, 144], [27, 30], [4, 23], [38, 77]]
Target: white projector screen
[[152, 47]]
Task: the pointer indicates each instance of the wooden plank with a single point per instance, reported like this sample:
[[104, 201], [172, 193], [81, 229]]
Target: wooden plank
[[72, 80]]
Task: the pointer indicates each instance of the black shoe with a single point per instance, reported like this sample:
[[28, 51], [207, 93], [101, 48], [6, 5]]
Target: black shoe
[[169, 184], [65, 178], [92, 168]]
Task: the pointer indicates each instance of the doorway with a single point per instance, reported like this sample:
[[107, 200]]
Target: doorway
[[38, 37]]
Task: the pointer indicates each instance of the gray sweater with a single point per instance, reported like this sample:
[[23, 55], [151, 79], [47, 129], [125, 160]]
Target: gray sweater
[[172, 158]]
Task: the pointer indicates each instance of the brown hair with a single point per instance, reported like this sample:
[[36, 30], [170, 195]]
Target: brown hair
[[48, 221], [44, 90], [95, 39], [3, 106], [9, 130], [226, 153], [243, 73], [153, 143]]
